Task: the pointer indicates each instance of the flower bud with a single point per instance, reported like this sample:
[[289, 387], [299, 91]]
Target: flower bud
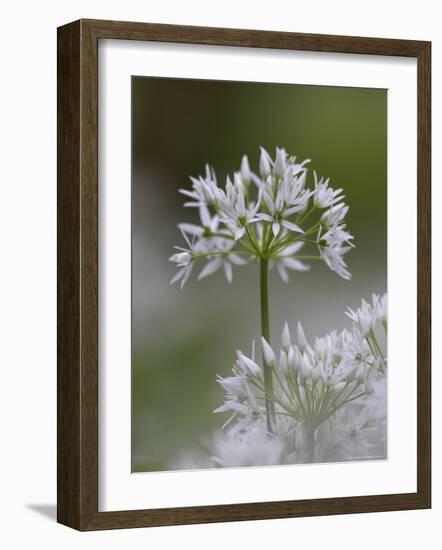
[[306, 369], [269, 355], [315, 374], [291, 358], [181, 258], [247, 364], [245, 170], [285, 339], [264, 164], [280, 163], [297, 359], [283, 363], [302, 340]]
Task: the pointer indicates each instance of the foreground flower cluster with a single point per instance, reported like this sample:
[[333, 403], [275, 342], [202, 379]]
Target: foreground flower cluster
[[328, 397], [269, 215], [338, 377]]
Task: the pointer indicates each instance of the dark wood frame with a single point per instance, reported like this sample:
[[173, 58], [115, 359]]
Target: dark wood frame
[[77, 458]]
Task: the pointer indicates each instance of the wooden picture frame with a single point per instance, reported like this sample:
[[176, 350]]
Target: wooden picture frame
[[77, 460]]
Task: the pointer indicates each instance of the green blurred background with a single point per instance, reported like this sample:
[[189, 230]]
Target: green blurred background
[[182, 339]]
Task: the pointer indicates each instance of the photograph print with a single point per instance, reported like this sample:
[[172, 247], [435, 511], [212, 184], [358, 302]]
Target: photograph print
[[259, 274]]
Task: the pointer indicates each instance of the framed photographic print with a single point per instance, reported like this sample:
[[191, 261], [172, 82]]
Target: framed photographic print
[[243, 275]]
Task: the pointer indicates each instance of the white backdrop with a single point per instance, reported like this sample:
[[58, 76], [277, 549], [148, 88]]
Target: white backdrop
[[27, 218]]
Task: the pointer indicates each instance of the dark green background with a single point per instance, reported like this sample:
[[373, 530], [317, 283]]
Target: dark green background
[[182, 339]]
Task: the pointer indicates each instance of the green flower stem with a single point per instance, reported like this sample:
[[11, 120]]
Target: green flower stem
[[218, 253], [265, 331], [289, 239], [306, 215], [348, 400], [223, 235], [374, 341]]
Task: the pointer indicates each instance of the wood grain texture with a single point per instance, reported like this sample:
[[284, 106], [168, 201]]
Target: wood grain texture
[[68, 276], [77, 223], [424, 274]]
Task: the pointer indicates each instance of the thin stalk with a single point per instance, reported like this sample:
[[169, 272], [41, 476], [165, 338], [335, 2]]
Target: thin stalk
[[372, 335], [265, 331]]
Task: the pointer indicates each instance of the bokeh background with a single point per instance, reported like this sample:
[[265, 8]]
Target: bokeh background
[[182, 339]]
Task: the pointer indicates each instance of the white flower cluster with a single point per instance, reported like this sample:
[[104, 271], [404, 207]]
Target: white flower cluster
[[322, 392], [270, 215]]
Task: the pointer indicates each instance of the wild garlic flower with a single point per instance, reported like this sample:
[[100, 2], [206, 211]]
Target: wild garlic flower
[[335, 242], [311, 382], [254, 447], [324, 196], [235, 213], [266, 216], [368, 315], [183, 260], [356, 432]]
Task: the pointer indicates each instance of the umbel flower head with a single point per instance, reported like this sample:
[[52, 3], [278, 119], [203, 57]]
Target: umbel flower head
[[329, 399], [312, 381], [270, 215]]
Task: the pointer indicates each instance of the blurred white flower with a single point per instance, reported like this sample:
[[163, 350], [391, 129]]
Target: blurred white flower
[[255, 447], [312, 382], [356, 432], [368, 315]]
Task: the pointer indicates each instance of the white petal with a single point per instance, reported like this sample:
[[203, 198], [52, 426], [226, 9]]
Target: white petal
[[282, 272], [302, 340], [292, 226], [210, 268], [188, 193], [238, 233], [177, 276], [268, 201], [248, 364], [191, 228], [292, 249], [237, 260], [275, 228], [264, 164], [185, 237], [186, 275], [193, 204], [285, 338], [295, 265], [205, 216], [280, 163], [228, 271], [269, 355], [245, 169], [264, 217]]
